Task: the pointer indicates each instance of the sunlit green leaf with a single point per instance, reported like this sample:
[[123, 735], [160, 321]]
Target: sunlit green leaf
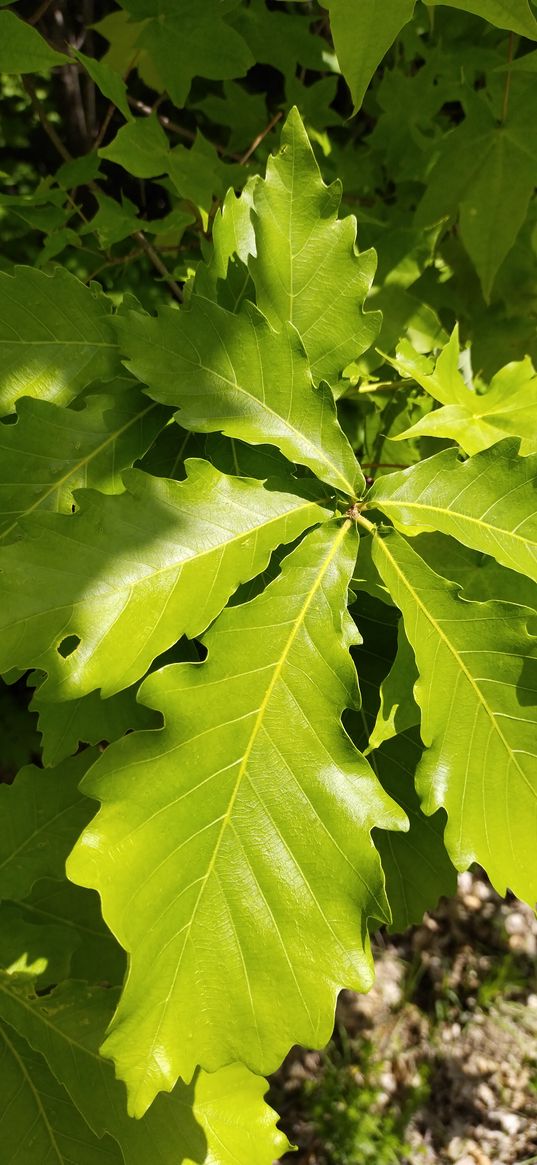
[[477, 681], [475, 420], [307, 269], [86, 447], [128, 574], [252, 773], [487, 502], [234, 374]]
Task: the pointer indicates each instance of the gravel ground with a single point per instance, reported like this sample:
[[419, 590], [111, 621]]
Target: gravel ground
[[450, 1038]]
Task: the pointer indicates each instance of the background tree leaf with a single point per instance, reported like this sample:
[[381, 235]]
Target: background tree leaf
[[109, 82], [141, 147], [185, 41], [39, 1123], [43, 811], [95, 953], [416, 864], [41, 950], [398, 709], [517, 15], [88, 720], [191, 1126], [487, 169], [23, 50], [55, 337], [362, 35]]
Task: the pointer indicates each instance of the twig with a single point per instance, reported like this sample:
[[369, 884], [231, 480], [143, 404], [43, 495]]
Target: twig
[[105, 123], [386, 385], [111, 108], [190, 136], [150, 251], [40, 110], [257, 140], [172, 126], [114, 262], [39, 12], [158, 263], [382, 465]]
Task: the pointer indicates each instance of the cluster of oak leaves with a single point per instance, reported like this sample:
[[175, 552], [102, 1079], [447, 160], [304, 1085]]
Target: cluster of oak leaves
[[232, 848]]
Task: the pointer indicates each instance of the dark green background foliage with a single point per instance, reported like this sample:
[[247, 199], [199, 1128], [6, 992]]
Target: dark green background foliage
[[268, 548]]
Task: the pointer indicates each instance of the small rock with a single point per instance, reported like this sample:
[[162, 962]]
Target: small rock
[[510, 1122], [486, 1095], [388, 1081], [515, 923]]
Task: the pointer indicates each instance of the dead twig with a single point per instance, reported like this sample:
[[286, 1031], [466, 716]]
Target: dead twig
[[257, 140]]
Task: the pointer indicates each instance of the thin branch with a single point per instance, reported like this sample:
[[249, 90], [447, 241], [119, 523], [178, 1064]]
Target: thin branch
[[105, 123], [386, 385], [150, 251], [155, 258], [168, 124], [112, 108], [257, 140], [174, 127], [40, 11], [382, 465], [359, 518], [40, 110], [114, 262]]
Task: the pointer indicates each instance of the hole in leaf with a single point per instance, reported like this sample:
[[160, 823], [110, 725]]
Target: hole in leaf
[[68, 645]]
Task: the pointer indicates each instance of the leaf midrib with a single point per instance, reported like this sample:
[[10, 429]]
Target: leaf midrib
[[296, 626], [234, 384], [386, 504], [179, 565], [26, 1076], [43, 825], [56, 343], [59, 482]]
